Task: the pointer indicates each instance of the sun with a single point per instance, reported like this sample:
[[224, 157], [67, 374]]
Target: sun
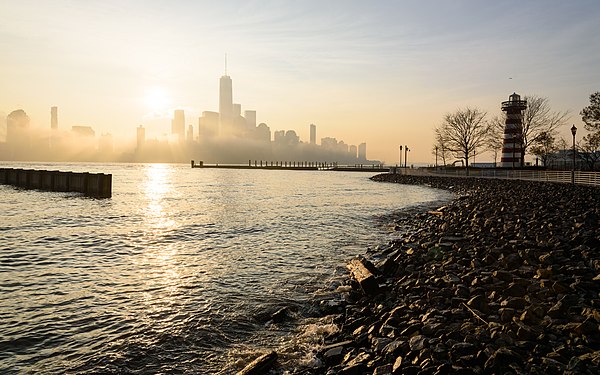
[[156, 100]]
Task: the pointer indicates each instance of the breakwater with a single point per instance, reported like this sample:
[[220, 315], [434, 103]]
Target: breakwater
[[505, 279], [97, 185]]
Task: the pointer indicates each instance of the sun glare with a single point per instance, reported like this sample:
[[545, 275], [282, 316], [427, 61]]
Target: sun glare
[[156, 100]]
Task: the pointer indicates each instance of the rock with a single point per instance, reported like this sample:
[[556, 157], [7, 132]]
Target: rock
[[462, 349], [501, 281], [515, 290], [334, 355], [355, 369], [363, 276], [417, 343], [503, 276], [260, 365], [383, 370], [500, 361], [361, 358], [396, 368], [411, 329], [479, 303], [558, 311], [514, 303]]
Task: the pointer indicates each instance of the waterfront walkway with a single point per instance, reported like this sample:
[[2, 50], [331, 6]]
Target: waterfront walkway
[[580, 177]]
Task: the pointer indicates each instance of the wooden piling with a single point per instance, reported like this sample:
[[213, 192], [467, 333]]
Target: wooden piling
[[97, 185]]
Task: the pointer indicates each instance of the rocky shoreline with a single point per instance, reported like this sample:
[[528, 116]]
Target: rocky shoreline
[[504, 279]]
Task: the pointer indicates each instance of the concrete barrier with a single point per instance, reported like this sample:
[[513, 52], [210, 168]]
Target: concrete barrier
[[97, 185]]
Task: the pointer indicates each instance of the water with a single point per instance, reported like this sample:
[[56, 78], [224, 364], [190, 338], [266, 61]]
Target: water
[[180, 269]]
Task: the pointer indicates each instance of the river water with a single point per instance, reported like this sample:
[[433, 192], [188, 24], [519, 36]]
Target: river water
[[182, 268]]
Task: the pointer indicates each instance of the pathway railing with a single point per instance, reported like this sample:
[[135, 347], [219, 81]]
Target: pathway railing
[[583, 178]]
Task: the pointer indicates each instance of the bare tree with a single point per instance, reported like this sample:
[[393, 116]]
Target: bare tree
[[440, 145], [463, 132], [494, 139], [589, 150], [544, 147], [539, 120]]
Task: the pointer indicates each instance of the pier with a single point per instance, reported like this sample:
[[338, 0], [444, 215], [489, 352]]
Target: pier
[[296, 166], [98, 185]]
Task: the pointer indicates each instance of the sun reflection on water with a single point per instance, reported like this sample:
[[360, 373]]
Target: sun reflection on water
[[159, 267], [157, 185]]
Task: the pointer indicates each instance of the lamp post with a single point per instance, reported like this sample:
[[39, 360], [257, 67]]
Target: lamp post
[[400, 156], [406, 150], [436, 156], [573, 131]]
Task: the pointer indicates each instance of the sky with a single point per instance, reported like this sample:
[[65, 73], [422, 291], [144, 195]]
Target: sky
[[381, 72]]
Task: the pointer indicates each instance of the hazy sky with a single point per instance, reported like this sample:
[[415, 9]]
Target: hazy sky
[[381, 72]]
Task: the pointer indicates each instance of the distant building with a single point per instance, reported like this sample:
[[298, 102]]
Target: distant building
[[225, 104], [362, 152], [178, 124], [141, 137], [279, 136], [83, 131], [263, 132], [208, 124], [190, 133], [329, 143], [352, 150], [237, 110], [250, 117], [17, 126], [313, 134], [53, 118], [291, 138]]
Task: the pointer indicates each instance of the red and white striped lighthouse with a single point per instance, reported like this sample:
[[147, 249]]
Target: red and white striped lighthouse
[[513, 131]]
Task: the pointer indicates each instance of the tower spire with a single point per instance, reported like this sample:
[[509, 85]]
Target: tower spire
[[225, 64]]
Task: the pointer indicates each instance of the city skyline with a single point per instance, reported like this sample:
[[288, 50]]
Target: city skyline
[[222, 137], [383, 73]]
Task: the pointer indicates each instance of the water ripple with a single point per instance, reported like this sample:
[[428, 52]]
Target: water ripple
[[179, 269]]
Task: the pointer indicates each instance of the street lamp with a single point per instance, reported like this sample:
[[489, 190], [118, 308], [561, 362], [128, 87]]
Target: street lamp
[[406, 150], [400, 156], [436, 157], [573, 131]]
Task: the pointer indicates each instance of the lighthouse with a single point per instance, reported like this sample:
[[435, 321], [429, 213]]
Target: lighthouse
[[512, 145]]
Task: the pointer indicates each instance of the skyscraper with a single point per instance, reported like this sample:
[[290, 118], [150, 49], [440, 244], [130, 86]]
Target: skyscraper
[[178, 124], [250, 117], [362, 152], [53, 118], [208, 125], [225, 104], [352, 151], [313, 134], [190, 133]]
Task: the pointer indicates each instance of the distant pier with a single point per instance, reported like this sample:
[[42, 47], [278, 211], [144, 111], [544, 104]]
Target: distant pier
[[296, 166], [98, 185]]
